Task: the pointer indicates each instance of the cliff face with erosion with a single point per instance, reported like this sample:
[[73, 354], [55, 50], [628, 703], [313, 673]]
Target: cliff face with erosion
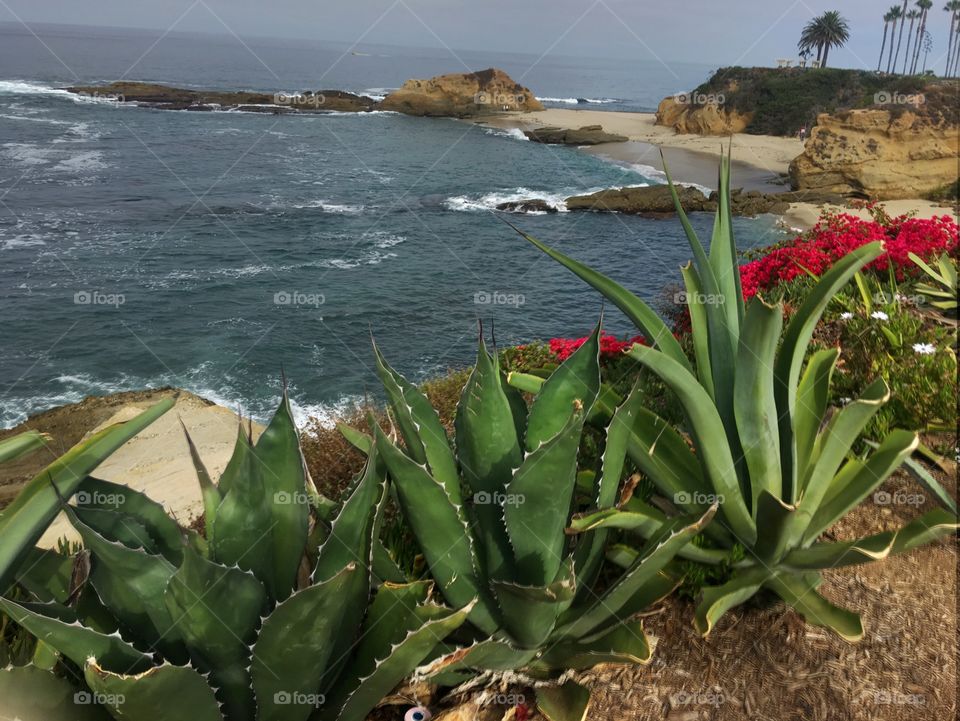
[[462, 95], [709, 118], [884, 152]]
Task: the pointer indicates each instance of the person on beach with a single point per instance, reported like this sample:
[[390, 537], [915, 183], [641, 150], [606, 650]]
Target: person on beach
[[802, 134]]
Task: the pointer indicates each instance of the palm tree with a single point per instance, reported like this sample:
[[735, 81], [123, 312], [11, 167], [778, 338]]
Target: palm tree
[[900, 15], [895, 13], [912, 15], [952, 7], [823, 32], [886, 27], [924, 6]]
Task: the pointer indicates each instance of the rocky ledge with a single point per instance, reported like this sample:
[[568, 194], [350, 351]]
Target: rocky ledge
[[656, 201], [169, 98], [587, 135], [459, 95], [904, 149]]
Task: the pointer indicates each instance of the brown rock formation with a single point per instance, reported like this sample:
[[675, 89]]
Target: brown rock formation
[[462, 95], [587, 135], [710, 118], [884, 152]]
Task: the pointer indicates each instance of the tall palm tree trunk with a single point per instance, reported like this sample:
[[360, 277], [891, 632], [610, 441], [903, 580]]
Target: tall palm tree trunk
[[886, 26], [826, 51], [903, 17], [890, 52], [950, 41], [920, 31], [956, 52]]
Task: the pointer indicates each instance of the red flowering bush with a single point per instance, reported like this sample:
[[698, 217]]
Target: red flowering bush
[[610, 346], [836, 235]]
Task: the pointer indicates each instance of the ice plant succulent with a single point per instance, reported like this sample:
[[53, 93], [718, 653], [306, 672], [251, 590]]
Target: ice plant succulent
[[491, 516], [765, 447], [262, 618]]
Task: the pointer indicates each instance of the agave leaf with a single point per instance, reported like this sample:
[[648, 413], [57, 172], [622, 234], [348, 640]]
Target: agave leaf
[[488, 449], [659, 551], [22, 444], [774, 520], [576, 383], [711, 439], [163, 693], [442, 532], [24, 521], [385, 569], [930, 526], [625, 643], [518, 406], [209, 491], [800, 592], [753, 401], [641, 314], [698, 326], [537, 504], [217, 610], [845, 553], [530, 612], [717, 600], [281, 465], [884, 461], [813, 394], [487, 655], [723, 248], [46, 574], [165, 534], [33, 694], [925, 479], [424, 435], [401, 660], [358, 439], [567, 702], [58, 628], [297, 643], [239, 460], [118, 528], [794, 348], [131, 583]]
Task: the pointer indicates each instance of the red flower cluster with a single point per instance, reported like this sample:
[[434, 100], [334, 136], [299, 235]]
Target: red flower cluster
[[610, 346], [836, 235]]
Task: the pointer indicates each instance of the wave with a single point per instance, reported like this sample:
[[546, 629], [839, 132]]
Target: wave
[[581, 101], [660, 178], [490, 201], [514, 133], [328, 207]]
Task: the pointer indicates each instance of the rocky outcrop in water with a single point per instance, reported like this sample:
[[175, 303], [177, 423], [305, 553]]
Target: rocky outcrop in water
[[169, 98], [462, 95], [904, 150], [587, 135], [534, 205]]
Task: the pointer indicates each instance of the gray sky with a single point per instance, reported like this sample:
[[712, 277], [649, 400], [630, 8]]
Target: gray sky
[[750, 32]]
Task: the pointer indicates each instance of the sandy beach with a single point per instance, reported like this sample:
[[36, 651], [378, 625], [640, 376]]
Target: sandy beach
[[760, 162]]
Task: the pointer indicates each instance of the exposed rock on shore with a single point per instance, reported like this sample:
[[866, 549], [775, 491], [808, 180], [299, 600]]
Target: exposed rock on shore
[[707, 119], [587, 135], [885, 152], [168, 98], [656, 201], [462, 95]]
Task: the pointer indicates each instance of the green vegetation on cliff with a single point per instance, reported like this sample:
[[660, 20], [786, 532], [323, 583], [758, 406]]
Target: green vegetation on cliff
[[783, 100]]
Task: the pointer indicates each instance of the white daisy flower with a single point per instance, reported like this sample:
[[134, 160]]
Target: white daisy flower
[[879, 315], [846, 316], [924, 348]]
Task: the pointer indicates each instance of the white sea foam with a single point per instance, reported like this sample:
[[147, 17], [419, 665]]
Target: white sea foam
[[490, 201], [576, 101], [514, 133], [24, 240], [648, 171], [327, 207]]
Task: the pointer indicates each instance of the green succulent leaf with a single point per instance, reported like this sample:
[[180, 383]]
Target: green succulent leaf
[[34, 694], [846, 553], [297, 643], [699, 326], [46, 574], [567, 702], [162, 693], [217, 611], [25, 520], [22, 444], [487, 655], [813, 395], [209, 491], [922, 476], [800, 592], [935, 524], [717, 600], [624, 643], [530, 612], [58, 628], [358, 439]]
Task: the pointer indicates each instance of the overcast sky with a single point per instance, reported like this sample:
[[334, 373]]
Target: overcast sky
[[750, 32]]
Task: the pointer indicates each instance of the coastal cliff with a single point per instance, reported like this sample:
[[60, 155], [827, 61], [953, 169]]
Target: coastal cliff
[[886, 152], [709, 118], [462, 95]]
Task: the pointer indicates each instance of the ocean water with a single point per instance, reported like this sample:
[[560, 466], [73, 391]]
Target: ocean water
[[211, 250]]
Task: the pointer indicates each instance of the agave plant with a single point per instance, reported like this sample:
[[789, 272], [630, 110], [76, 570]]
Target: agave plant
[[765, 447], [22, 444], [260, 618], [942, 292], [491, 517]]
